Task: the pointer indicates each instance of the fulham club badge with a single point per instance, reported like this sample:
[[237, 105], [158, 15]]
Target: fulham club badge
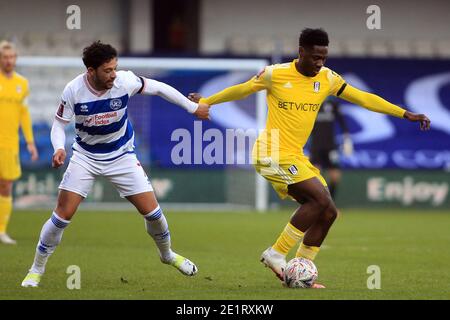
[[293, 170], [316, 86]]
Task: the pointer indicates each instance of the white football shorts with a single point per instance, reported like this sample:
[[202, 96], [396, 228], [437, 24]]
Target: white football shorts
[[125, 173]]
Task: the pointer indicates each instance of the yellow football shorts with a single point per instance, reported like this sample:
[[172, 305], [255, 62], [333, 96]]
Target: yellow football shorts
[[288, 170], [9, 165]]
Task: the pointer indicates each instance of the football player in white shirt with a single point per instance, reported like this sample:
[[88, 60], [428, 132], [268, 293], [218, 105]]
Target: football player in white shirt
[[104, 146]]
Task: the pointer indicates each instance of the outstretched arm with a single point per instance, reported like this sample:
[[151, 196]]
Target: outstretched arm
[[236, 92], [153, 87], [375, 103], [240, 91]]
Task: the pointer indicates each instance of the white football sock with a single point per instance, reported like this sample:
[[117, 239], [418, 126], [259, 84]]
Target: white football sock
[[49, 238], [158, 229]]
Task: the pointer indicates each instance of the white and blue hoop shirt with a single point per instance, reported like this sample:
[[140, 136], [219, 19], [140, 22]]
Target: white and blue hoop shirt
[[104, 143]]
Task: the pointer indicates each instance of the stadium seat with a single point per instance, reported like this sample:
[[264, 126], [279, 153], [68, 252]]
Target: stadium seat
[[113, 39], [337, 48], [38, 43], [423, 48], [62, 44], [355, 47], [400, 48], [81, 40], [289, 45], [238, 45], [378, 48], [262, 45], [443, 48]]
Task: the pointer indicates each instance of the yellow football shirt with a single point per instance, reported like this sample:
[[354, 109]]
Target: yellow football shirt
[[14, 111], [293, 102]]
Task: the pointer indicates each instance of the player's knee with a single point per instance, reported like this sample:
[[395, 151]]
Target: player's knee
[[322, 203], [64, 211], [330, 214]]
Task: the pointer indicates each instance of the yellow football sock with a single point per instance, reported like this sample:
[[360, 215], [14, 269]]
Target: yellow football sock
[[288, 239], [308, 252], [5, 212]]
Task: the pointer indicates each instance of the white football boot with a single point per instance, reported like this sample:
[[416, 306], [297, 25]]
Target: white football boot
[[184, 265], [32, 279], [6, 239], [275, 261]]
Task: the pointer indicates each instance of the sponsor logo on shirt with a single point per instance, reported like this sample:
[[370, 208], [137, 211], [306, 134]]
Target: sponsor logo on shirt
[[299, 106], [100, 119], [4, 100], [84, 108], [105, 118], [88, 121]]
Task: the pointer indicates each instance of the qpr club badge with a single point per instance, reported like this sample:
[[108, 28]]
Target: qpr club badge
[[316, 86], [115, 104]]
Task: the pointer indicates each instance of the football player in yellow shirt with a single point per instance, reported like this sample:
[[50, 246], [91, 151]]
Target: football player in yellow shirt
[[295, 92], [13, 114]]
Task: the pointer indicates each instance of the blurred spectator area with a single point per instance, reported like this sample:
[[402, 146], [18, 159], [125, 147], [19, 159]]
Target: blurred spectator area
[[64, 43], [69, 44], [263, 45], [409, 29]]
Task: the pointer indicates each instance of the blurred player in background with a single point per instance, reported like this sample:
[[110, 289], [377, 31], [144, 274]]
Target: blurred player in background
[[13, 114], [324, 147], [295, 92], [104, 146]]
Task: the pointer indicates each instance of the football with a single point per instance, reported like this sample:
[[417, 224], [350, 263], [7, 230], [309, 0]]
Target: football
[[300, 273]]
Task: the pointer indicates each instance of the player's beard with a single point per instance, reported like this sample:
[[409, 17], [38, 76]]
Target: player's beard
[[109, 84], [102, 85]]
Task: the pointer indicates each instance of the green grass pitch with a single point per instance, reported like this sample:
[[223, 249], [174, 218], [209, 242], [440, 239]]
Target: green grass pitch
[[118, 260]]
